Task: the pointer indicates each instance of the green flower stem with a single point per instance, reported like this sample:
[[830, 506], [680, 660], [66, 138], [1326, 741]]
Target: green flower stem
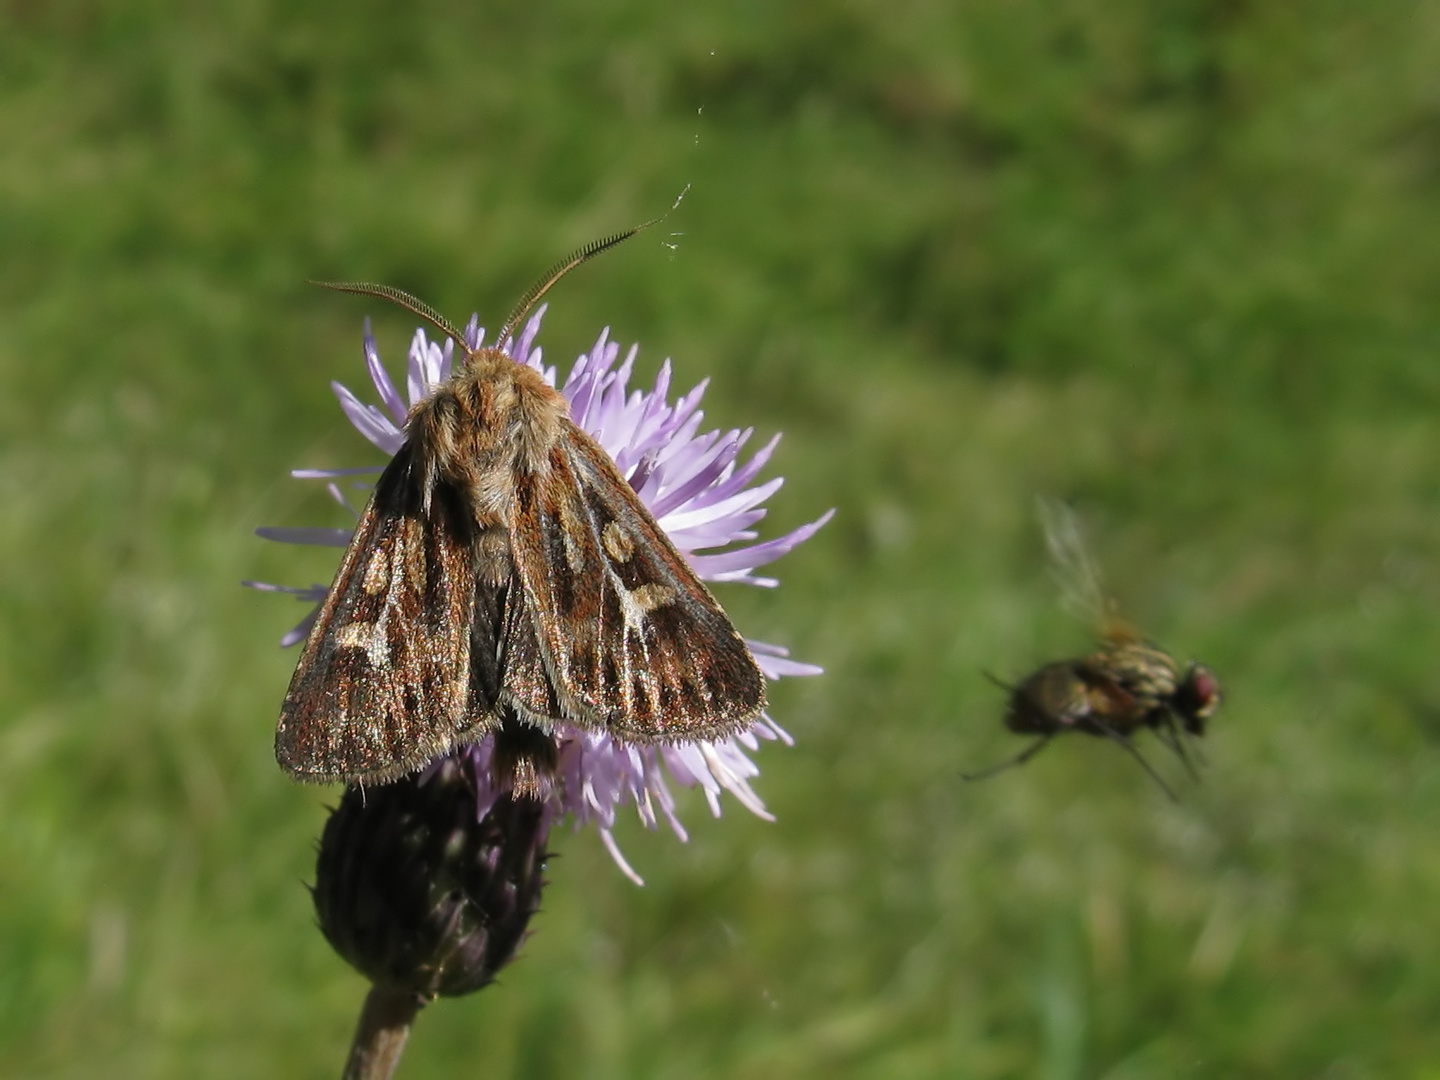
[[380, 1036]]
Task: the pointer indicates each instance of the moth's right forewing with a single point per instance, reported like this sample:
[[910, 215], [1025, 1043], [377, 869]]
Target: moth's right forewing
[[386, 681], [613, 630]]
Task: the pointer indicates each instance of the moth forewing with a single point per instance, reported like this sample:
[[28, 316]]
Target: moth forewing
[[631, 642], [386, 681]]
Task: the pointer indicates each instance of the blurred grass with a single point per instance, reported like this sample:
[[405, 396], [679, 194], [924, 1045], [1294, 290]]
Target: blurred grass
[[1176, 262]]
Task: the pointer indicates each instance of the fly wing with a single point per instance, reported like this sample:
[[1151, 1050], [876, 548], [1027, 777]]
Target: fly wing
[[613, 630], [1072, 565], [396, 670]]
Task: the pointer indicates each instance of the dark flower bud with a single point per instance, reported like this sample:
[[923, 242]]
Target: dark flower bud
[[420, 896]]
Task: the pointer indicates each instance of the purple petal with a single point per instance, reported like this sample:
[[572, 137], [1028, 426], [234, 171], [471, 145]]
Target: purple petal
[[301, 630], [654, 409], [760, 554], [308, 592], [645, 478], [746, 472], [775, 662], [330, 474], [428, 364], [313, 594], [677, 438], [708, 469], [522, 348], [740, 577], [581, 387], [684, 410], [701, 513], [608, 839], [474, 333], [316, 536], [368, 420], [389, 396]]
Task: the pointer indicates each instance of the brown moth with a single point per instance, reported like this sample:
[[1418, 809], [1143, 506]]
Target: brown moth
[[505, 577]]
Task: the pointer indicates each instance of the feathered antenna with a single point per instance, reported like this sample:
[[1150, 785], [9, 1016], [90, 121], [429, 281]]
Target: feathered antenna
[[559, 270], [405, 300], [527, 302]]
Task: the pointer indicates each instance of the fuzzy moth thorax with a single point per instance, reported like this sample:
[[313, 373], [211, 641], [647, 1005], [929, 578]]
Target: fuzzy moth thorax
[[493, 419]]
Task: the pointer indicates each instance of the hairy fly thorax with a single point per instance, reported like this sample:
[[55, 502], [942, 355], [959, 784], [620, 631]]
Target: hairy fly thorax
[[492, 420], [1145, 670]]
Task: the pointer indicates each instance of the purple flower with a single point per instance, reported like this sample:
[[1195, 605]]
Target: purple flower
[[700, 493]]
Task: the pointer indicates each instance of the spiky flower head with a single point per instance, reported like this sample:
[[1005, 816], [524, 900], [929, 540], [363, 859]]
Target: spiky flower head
[[419, 894]]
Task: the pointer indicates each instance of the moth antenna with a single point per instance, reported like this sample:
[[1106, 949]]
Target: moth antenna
[[405, 300], [559, 270], [1009, 763]]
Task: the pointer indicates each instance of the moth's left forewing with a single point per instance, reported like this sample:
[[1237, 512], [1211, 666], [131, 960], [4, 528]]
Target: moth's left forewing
[[626, 639], [391, 676]]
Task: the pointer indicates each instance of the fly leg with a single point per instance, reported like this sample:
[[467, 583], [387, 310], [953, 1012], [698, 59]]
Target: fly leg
[[1019, 759], [1115, 736]]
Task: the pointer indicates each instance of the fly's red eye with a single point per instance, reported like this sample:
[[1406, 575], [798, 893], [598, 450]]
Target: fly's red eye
[[1204, 688]]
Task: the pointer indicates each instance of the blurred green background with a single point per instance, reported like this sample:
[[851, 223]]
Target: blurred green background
[[1176, 262]]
